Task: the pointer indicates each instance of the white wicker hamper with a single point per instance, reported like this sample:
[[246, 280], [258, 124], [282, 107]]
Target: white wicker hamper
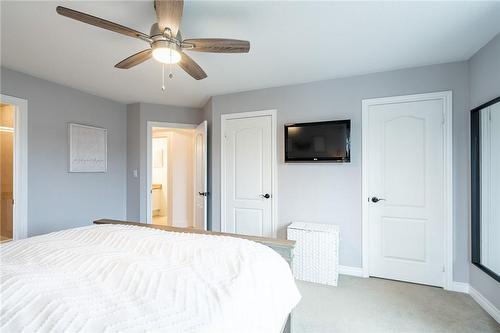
[[315, 257]]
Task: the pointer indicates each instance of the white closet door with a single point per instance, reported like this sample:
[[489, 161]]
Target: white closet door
[[406, 188], [248, 169]]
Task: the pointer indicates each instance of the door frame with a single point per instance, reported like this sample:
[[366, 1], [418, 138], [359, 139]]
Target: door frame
[[448, 230], [149, 162], [274, 167], [20, 213]]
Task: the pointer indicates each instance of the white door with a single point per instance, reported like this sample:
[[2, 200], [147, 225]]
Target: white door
[[200, 182], [248, 171], [405, 185]]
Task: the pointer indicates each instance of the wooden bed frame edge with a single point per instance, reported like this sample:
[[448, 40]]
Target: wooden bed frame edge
[[283, 247]]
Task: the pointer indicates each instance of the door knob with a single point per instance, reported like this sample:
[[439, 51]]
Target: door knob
[[266, 196], [375, 199]]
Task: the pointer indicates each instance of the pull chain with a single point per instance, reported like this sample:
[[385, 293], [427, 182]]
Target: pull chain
[[170, 75], [163, 77]]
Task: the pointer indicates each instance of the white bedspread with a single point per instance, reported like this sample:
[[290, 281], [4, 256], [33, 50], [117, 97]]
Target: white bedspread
[[111, 278]]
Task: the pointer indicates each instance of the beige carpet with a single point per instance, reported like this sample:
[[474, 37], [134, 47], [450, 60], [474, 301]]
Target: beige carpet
[[377, 305]]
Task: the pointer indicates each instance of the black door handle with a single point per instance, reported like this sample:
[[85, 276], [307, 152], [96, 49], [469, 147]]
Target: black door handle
[[375, 199], [266, 196]]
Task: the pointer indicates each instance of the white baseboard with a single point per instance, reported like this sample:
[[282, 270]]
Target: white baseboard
[[461, 287], [485, 304], [350, 270]]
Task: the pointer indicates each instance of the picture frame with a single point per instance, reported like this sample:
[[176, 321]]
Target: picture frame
[[87, 149]]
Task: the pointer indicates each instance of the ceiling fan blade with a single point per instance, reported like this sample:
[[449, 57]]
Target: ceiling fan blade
[[191, 67], [135, 59], [99, 22], [169, 14], [218, 45]]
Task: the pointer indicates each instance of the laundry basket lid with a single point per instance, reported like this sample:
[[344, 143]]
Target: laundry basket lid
[[314, 226]]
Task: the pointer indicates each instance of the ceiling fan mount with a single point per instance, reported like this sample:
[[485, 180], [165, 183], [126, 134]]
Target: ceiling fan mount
[[165, 41]]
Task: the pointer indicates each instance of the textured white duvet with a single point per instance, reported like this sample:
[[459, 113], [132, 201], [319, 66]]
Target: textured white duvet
[[111, 278]]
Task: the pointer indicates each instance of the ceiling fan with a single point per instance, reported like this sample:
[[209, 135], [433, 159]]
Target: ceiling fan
[[165, 40]]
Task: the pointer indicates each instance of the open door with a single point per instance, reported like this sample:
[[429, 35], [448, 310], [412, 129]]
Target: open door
[[7, 153], [200, 186]]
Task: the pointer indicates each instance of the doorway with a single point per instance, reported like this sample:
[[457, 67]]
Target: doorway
[[177, 173], [407, 184], [7, 130], [248, 181], [13, 168]]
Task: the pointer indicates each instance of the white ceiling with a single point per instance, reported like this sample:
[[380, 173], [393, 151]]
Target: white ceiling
[[291, 42]]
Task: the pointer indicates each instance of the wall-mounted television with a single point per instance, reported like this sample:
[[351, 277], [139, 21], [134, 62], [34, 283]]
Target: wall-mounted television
[[326, 141]]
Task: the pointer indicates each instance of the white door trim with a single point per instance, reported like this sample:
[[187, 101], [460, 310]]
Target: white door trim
[[274, 172], [149, 161], [446, 97], [20, 221]]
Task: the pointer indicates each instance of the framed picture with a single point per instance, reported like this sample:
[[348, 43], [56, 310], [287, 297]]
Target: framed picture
[[88, 148]]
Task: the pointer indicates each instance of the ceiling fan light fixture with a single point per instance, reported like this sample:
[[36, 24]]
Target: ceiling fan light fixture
[[165, 41], [166, 53]]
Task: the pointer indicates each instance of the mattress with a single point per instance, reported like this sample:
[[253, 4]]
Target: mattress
[[110, 278]]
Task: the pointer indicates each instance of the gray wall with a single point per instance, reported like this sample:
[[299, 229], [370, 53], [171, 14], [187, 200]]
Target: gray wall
[[133, 158], [331, 193], [58, 199], [484, 86], [138, 116]]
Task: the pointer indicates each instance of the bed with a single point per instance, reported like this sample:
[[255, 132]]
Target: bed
[[122, 276]]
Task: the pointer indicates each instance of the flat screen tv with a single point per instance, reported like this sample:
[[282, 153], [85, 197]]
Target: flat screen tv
[[326, 141]]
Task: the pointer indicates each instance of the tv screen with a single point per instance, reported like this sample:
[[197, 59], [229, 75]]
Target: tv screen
[[327, 141]]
